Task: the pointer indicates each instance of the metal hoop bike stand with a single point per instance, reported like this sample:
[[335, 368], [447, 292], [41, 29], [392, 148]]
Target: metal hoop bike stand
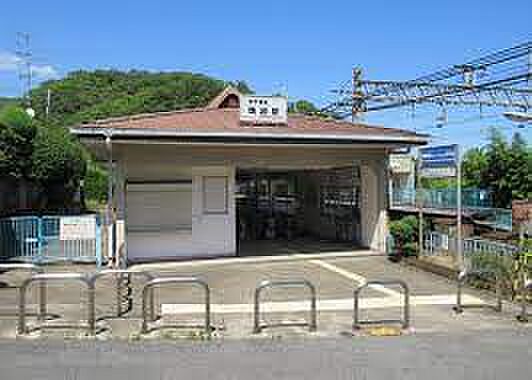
[[43, 278], [462, 278], [118, 273], [312, 323], [405, 321], [32, 269], [148, 296]]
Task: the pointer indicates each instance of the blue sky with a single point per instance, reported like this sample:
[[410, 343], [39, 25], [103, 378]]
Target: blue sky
[[305, 47]]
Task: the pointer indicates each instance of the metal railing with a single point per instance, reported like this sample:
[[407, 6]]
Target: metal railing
[[442, 198], [40, 239], [312, 323], [148, 296], [32, 269], [475, 203], [43, 278], [436, 243], [405, 321], [463, 277], [118, 273]]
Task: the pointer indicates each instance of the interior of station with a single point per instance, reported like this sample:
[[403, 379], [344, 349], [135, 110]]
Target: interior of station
[[320, 205]]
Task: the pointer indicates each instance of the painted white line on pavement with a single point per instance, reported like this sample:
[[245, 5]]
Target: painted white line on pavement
[[290, 256], [345, 304], [355, 277]]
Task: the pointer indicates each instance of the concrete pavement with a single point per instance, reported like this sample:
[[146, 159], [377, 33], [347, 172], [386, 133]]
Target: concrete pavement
[[491, 355]]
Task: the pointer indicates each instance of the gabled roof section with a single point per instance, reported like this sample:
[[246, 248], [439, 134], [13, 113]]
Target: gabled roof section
[[221, 120], [228, 98]]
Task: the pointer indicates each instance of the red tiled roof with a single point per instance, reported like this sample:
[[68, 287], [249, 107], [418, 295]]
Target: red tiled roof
[[215, 119], [228, 120]]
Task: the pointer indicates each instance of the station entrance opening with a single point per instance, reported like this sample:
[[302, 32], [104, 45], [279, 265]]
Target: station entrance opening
[[294, 205]]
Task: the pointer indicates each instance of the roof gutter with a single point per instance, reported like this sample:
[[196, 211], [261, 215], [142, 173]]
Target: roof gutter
[[160, 134]]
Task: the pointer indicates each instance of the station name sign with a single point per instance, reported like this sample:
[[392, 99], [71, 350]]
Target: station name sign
[[439, 161]]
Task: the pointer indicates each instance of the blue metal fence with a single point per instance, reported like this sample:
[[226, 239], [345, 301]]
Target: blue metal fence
[[436, 243], [443, 198], [475, 202], [39, 239]]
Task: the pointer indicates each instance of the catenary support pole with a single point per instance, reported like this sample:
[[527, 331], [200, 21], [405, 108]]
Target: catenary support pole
[[459, 248]]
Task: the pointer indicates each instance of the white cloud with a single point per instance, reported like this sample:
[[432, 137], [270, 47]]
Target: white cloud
[[10, 62], [44, 71]]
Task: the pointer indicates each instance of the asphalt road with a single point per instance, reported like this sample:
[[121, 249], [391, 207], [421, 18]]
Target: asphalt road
[[503, 354]]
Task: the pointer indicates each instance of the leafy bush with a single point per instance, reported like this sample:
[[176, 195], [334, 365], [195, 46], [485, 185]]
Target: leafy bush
[[495, 266], [405, 234]]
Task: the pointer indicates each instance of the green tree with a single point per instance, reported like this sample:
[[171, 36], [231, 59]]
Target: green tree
[[303, 107], [503, 168], [17, 132], [475, 161], [520, 168], [58, 164], [85, 96]]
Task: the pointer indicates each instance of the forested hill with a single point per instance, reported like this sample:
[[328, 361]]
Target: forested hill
[[87, 96], [4, 102]]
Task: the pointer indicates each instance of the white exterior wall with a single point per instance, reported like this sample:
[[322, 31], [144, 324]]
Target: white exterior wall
[[374, 214], [211, 234], [215, 235]]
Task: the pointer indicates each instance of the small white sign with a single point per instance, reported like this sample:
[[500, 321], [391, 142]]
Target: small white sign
[[77, 228], [402, 163], [443, 172]]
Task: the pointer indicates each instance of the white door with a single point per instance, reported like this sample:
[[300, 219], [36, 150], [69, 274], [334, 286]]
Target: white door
[[158, 218]]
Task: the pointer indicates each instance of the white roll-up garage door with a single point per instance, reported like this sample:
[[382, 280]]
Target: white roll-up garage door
[[159, 217]]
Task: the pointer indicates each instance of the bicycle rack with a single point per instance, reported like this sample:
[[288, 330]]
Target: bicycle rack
[[33, 269], [148, 290], [119, 273], [43, 278], [312, 324], [405, 321], [462, 278]]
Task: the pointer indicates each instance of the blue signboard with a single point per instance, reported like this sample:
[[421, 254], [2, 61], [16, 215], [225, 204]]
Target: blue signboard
[[439, 156], [439, 161]]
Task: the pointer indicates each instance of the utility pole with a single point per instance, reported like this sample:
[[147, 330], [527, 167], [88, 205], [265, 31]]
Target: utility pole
[[48, 102], [357, 106], [25, 56]]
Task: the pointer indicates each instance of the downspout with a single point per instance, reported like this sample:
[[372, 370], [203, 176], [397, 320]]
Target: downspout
[[110, 224]]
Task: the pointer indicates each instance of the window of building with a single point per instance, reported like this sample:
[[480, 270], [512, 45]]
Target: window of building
[[215, 195]]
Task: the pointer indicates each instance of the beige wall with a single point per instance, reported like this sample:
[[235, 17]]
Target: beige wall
[[374, 204], [161, 159], [215, 235], [211, 234]]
